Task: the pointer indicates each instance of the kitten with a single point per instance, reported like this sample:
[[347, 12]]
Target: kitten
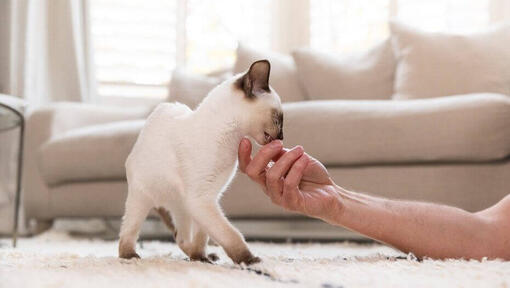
[[183, 160]]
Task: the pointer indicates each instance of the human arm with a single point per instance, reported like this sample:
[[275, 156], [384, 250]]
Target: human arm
[[300, 183], [425, 229]]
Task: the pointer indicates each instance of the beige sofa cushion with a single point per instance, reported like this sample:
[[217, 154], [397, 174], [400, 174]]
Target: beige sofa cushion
[[463, 128], [93, 152], [435, 64], [283, 76], [460, 185], [467, 128], [367, 75], [190, 88]]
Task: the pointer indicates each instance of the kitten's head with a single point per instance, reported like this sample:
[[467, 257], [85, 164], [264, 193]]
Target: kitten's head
[[260, 103]]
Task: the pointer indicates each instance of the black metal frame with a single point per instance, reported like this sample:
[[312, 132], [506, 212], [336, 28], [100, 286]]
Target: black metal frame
[[20, 166]]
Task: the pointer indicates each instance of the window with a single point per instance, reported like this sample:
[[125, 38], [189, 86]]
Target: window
[[456, 16], [134, 46], [137, 43], [348, 25], [355, 25], [213, 29]]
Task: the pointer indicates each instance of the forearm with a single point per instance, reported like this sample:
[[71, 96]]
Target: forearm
[[424, 229]]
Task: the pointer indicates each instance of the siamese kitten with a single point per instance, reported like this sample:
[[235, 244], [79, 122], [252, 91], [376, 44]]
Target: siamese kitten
[[183, 160]]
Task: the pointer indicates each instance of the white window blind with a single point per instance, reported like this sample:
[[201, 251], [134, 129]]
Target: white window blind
[[134, 46], [137, 43], [355, 25], [455, 16], [348, 25], [213, 29]]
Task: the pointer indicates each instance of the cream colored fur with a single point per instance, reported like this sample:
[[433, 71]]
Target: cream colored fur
[[183, 160]]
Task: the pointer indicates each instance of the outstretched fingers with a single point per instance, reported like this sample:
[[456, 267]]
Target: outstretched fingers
[[280, 181], [291, 197], [276, 174]]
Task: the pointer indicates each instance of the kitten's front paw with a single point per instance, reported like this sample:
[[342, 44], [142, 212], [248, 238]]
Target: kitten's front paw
[[203, 259], [212, 257], [252, 260], [129, 255], [247, 258], [127, 250]]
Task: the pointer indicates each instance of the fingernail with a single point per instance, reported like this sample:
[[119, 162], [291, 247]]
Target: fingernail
[[277, 143], [299, 149]]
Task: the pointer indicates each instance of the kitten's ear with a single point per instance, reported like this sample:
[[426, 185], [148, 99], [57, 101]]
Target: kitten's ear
[[256, 80]]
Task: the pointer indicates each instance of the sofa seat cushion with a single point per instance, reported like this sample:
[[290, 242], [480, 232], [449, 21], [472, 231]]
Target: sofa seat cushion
[[90, 153], [190, 89], [464, 128]]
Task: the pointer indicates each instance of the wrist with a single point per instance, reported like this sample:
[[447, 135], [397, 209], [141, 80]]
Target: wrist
[[338, 206]]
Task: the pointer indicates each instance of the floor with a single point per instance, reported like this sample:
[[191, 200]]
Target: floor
[[56, 259]]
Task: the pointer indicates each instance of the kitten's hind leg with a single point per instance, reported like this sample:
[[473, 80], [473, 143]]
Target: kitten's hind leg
[[166, 218], [137, 208], [209, 216]]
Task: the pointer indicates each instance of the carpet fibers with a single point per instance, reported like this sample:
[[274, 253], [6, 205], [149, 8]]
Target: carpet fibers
[[58, 260]]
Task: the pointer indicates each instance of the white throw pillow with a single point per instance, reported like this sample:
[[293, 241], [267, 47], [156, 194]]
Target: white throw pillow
[[283, 76], [367, 75], [189, 88], [436, 64]]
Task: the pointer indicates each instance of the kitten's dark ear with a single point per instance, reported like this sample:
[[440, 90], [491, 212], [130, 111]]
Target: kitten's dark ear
[[256, 80]]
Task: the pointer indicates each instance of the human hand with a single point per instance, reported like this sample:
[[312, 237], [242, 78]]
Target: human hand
[[295, 181]]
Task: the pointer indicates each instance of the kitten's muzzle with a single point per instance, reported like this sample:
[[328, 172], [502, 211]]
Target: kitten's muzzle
[[268, 137], [280, 134], [277, 127]]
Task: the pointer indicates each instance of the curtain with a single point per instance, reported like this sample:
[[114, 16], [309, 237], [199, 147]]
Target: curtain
[[50, 59], [44, 57]]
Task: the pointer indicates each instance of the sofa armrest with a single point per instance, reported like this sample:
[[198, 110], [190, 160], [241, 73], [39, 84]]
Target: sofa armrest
[[463, 128], [43, 123]]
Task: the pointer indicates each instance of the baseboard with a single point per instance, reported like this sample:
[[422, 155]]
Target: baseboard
[[278, 229]]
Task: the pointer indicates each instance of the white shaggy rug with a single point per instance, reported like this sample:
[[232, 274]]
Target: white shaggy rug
[[57, 260]]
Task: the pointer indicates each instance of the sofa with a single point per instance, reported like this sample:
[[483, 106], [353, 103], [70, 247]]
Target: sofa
[[419, 116]]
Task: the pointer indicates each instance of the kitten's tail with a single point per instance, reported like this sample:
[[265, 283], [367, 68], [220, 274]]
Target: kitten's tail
[[167, 219]]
